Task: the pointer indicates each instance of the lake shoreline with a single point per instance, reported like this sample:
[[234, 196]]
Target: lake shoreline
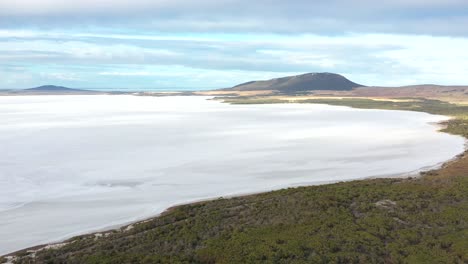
[[128, 226]]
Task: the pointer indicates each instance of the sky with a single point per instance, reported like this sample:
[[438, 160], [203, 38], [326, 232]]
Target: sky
[[206, 44]]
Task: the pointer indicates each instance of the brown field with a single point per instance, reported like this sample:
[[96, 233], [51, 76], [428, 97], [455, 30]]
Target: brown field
[[453, 94]]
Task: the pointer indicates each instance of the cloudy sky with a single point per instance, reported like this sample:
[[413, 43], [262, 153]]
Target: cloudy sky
[[175, 44]]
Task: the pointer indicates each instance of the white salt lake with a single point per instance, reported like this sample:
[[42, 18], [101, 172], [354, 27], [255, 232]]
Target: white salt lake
[[75, 164]]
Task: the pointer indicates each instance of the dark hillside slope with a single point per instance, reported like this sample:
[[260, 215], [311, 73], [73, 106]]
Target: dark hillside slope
[[304, 82]]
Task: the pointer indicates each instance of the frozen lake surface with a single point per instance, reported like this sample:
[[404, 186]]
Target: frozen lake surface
[[74, 164]]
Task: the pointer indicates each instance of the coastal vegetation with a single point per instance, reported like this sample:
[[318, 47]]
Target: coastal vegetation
[[414, 220]]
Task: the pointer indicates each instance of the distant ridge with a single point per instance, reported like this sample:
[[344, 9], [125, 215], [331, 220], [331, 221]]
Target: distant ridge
[[54, 88], [298, 83]]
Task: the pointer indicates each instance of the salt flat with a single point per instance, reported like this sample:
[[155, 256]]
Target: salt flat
[[73, 164]]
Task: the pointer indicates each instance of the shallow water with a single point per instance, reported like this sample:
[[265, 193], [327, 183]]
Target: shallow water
[[73, 164]]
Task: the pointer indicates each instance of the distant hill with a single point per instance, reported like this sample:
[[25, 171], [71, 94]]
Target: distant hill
[[49, 90], [298, 83], [54, 88]]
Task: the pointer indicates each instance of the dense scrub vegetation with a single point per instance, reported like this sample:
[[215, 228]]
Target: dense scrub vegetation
[[419, 220]]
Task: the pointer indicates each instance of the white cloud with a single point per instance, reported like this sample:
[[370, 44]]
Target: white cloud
[[439, 17], [61, 76], [224, 59]]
